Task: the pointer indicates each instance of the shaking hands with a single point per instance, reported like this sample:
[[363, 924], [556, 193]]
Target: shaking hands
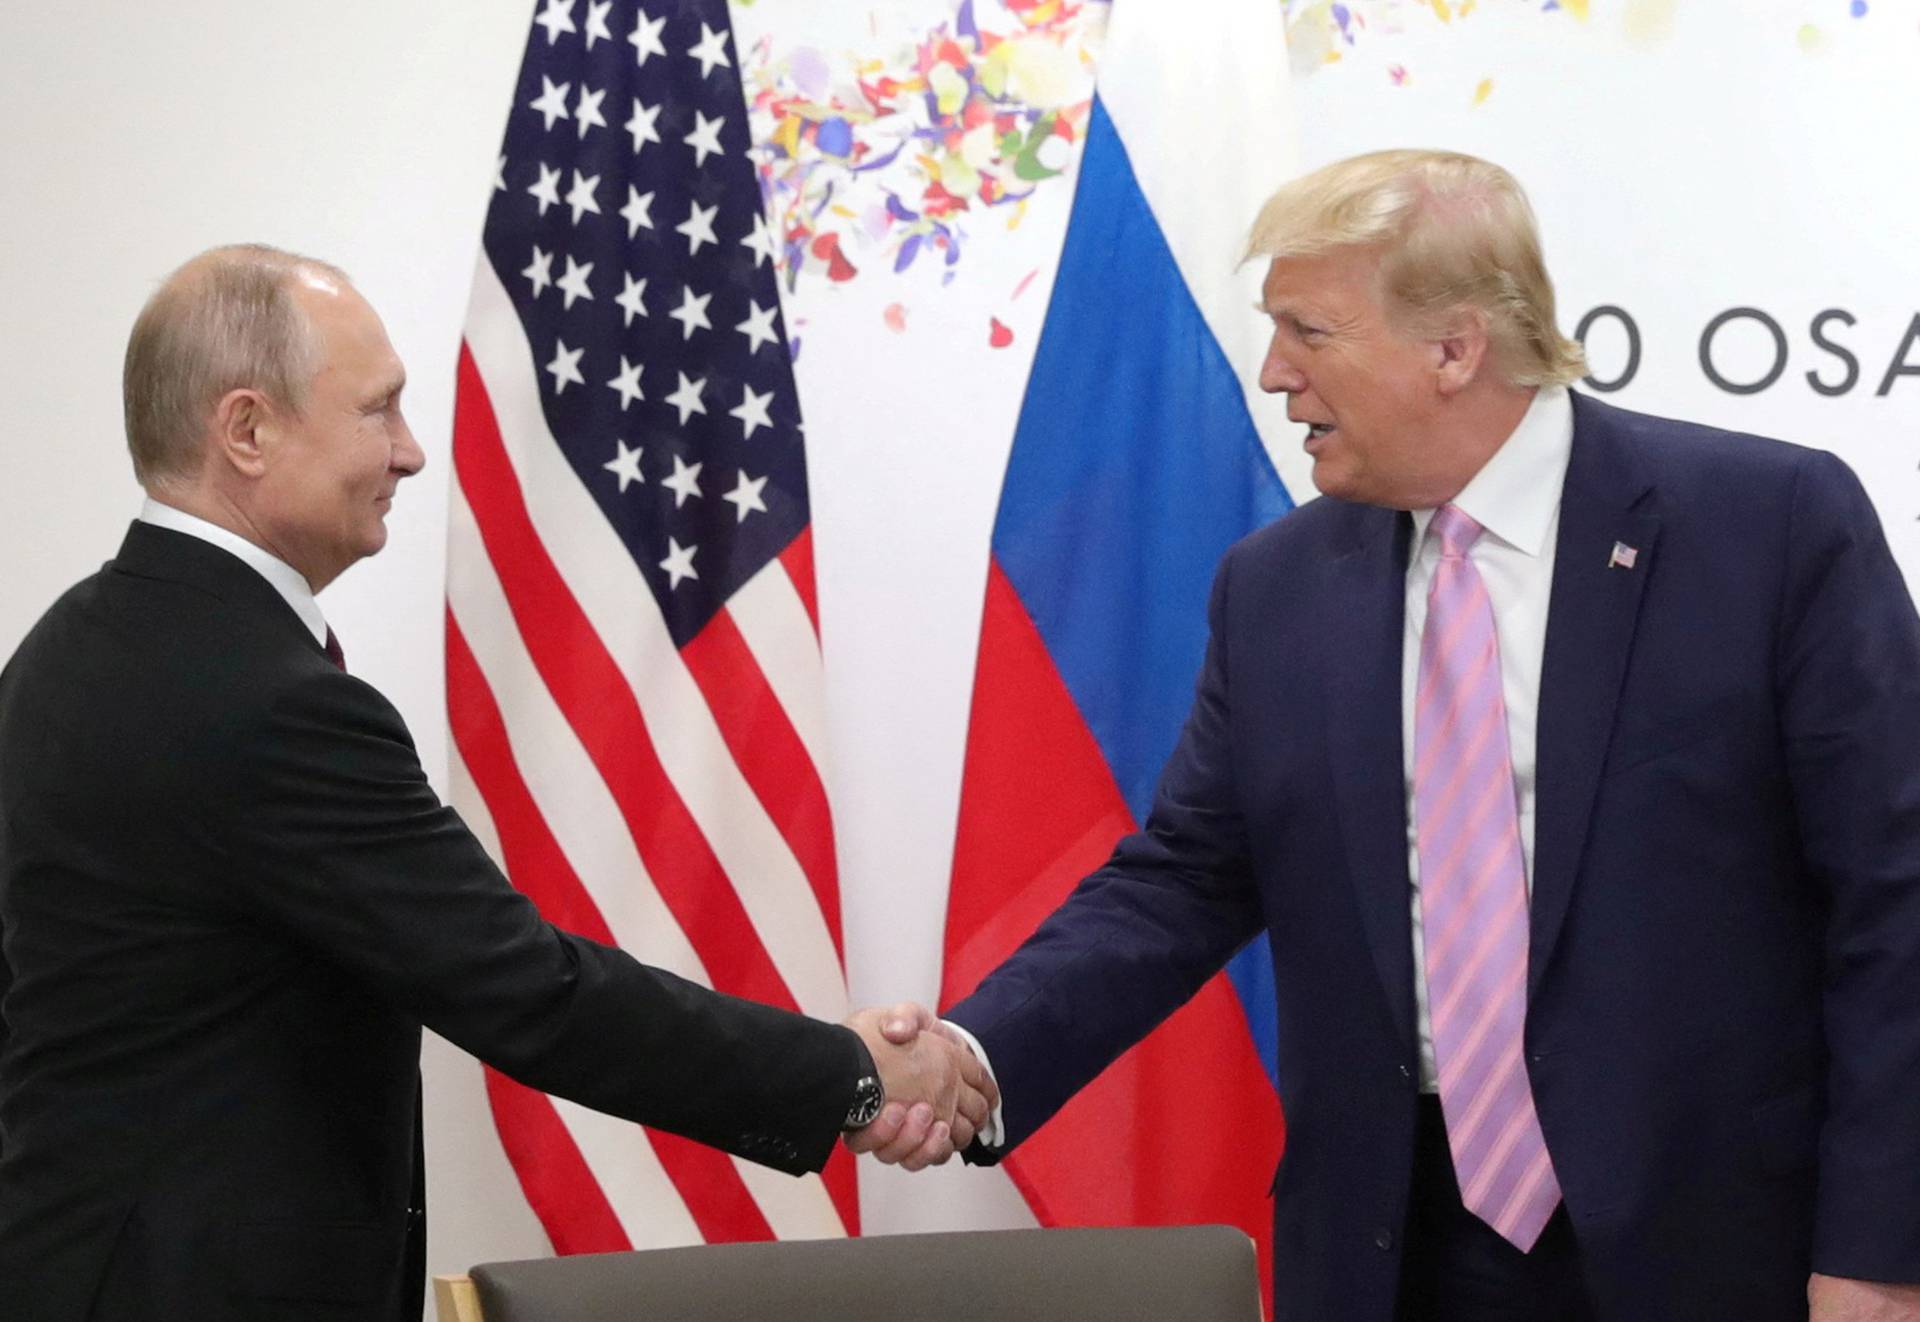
[[938, 1094]]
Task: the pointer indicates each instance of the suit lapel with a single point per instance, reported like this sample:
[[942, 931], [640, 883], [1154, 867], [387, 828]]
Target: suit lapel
[[1366, 604], [1591, 617]]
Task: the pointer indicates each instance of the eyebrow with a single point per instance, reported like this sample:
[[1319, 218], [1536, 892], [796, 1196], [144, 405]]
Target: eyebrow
[[1282, 313]]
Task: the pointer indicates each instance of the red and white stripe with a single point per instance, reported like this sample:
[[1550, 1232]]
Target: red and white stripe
[[668, 801]]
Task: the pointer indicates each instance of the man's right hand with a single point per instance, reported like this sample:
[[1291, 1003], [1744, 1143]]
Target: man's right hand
[[938, 1094]]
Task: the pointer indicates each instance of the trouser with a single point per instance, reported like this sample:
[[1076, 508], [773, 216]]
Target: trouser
[[1456, 1269]]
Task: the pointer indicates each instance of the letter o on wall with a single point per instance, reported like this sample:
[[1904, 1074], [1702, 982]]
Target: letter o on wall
[[1779, 351], [1626, 321]]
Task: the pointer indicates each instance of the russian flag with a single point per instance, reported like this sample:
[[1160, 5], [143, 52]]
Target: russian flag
[[1137, 461]]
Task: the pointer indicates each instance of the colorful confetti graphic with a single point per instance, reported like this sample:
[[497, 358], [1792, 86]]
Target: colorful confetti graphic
[[1323, 32], [894, 160]]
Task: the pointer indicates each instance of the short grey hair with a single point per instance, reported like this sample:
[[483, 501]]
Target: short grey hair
[[225, 320], [1455, 233]]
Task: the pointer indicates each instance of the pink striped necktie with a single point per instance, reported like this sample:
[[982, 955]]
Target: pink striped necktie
[[1473, 900]]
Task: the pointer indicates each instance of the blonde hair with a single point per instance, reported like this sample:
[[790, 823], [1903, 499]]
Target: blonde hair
[[1454, 232], [225, 320]]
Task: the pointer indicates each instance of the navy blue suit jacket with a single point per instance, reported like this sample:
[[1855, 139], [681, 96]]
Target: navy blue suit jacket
[[1723, 1031]]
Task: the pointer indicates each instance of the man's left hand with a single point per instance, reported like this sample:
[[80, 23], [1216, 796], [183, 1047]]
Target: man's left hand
[[1841, 1299]]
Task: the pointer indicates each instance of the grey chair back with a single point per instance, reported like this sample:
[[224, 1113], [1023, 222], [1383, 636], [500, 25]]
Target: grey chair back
[[1190, 1273]]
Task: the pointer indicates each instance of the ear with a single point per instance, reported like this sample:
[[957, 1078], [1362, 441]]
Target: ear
[[243, 431], [1461, 354]]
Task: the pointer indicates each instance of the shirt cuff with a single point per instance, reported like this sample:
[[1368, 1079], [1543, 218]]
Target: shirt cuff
[[988, 1135]]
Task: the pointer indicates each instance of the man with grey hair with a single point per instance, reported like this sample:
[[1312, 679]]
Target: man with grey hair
[[1569, 759], [230, 899]]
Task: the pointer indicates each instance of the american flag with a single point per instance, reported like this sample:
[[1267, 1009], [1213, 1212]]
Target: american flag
[[633, 664]]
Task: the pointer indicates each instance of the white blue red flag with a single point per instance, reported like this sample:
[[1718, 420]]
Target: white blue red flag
[[1137, 461]]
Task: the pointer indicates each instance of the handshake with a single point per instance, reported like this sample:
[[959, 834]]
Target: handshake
[[938, 1093]]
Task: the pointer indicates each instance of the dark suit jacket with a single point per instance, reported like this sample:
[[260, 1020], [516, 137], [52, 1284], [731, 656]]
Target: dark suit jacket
[[1723, 1033], [230, 900]]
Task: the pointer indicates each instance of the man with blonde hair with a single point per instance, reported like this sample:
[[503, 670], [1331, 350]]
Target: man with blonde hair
[[230, 898], [1569, 759]]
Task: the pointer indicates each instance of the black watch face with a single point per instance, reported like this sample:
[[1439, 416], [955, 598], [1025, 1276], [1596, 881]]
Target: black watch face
[[867, 1099]]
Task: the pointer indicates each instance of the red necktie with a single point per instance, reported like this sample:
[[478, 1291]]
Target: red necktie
[[334, 654]]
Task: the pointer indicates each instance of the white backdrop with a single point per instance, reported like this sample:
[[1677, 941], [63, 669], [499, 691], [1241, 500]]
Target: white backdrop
[[1686, 159]]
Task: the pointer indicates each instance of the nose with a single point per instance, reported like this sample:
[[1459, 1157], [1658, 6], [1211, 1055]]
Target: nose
[[408, 457], [1278, 375]]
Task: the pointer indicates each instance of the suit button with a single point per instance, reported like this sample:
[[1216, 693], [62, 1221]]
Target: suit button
[[1406, 1075], [1383, 1240]]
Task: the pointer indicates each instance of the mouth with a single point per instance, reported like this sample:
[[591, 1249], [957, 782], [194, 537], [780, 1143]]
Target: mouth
[[1317, 432]]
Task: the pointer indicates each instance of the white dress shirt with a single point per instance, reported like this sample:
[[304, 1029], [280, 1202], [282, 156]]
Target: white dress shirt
[[1516, 499], [289, 582]]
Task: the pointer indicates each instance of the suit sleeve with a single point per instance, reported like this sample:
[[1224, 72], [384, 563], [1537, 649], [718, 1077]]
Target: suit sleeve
[[1135, 940], [338, 842], [1850, 707]]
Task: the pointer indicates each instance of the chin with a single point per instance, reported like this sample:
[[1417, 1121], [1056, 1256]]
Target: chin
[[1331, 480]]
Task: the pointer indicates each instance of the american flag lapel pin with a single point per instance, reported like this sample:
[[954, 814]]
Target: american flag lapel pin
[[1623, 556]]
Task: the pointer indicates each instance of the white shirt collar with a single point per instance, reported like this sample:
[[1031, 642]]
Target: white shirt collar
[[289, 582], [1516, 493]]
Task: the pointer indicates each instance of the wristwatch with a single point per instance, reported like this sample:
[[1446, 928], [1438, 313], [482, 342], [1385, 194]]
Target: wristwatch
[[868, 1094]]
